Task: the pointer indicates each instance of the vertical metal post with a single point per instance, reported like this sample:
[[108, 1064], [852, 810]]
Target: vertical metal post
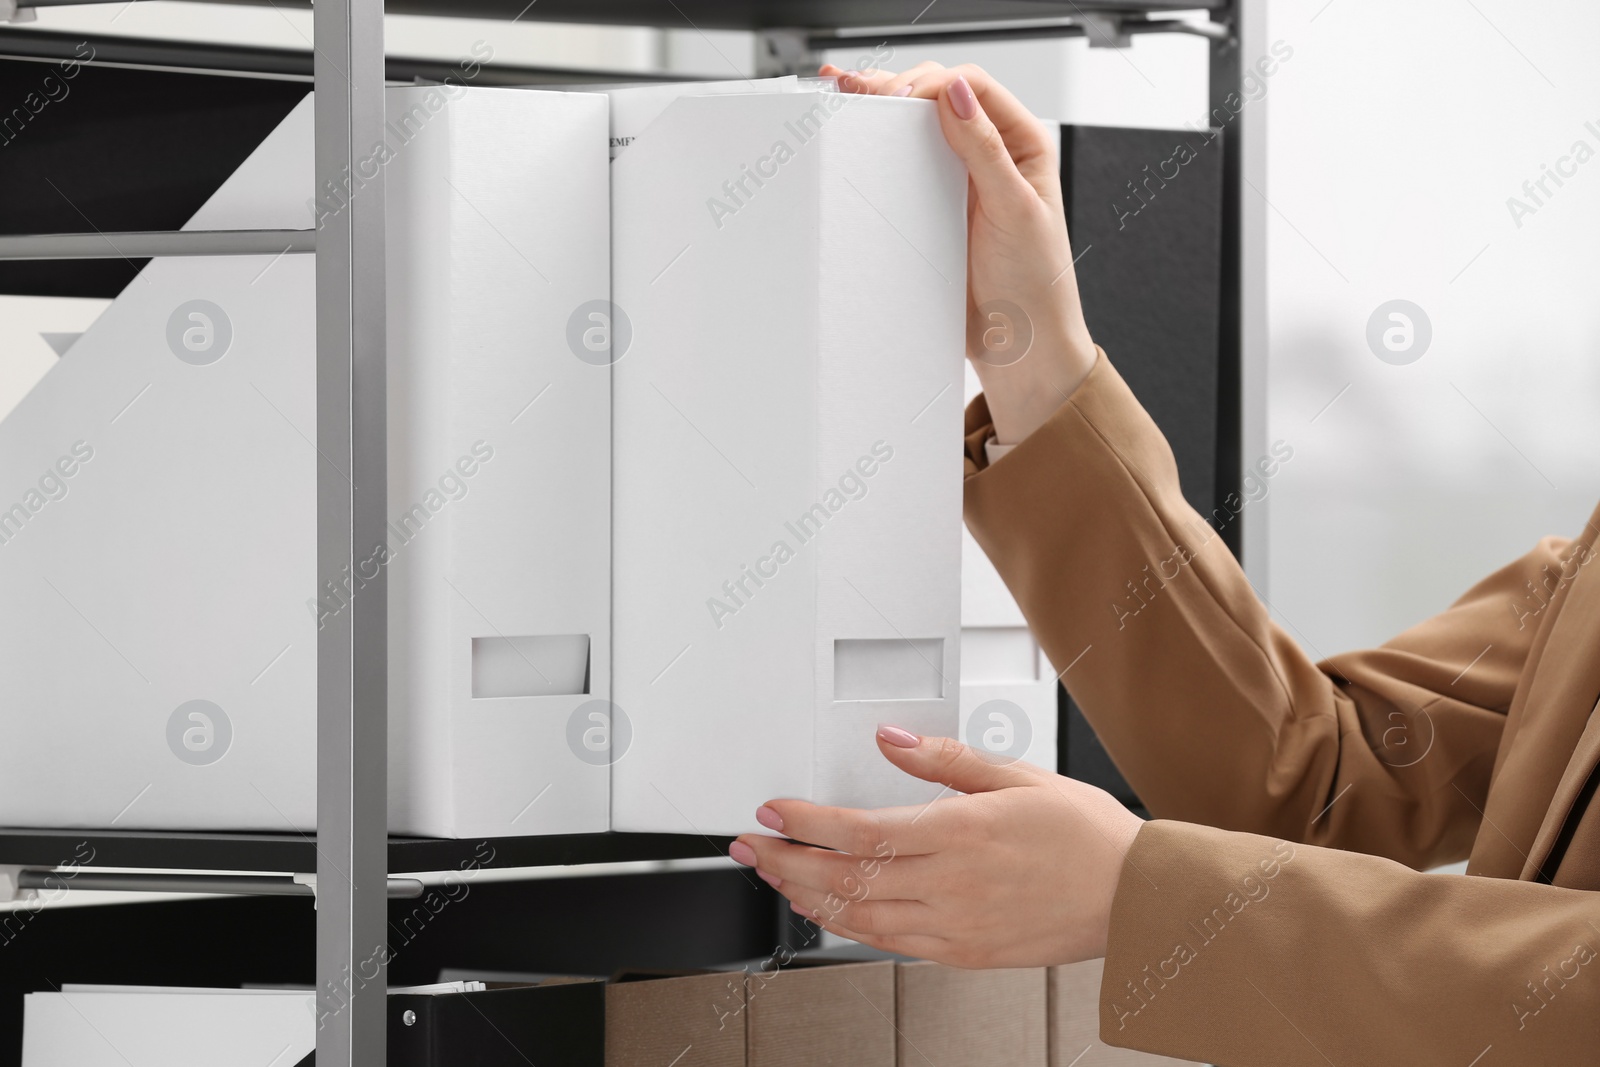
[[1242, 388], [352, 645], [1250, 20], [1245, 274]]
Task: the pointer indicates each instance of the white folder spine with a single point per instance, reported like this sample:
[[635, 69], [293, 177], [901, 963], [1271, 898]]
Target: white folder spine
[[794, 267]]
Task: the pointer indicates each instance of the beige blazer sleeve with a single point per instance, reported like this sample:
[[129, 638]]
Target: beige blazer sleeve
[[1241, 950], [1216, 717]]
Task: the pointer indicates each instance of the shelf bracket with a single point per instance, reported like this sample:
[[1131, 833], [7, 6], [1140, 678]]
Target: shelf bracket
[[28, 880], [1104, 30], [785, 51], [11, 890]]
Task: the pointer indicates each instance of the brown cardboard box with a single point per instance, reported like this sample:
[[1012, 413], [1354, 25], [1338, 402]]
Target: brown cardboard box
[[1075, 1023], [686, 1019], [810, 1013], [951, 1017]]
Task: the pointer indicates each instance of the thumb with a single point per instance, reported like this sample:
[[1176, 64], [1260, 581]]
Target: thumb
[[975, 138], [949, 762]]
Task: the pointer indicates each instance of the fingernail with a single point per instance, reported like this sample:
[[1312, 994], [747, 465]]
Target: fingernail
[[962, 100], [771, 879], [898, 737], [904, 90], [742, 853], [769, 818], [798, 910]]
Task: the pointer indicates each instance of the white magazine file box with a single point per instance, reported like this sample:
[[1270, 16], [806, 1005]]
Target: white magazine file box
[[107, 1027], [179, 563], [175, 1026], [786, 453]]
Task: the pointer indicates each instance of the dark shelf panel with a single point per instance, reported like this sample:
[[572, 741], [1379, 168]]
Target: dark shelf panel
[[772, 14], [206, 851], [292, 64], [435, 854], [593, 925]]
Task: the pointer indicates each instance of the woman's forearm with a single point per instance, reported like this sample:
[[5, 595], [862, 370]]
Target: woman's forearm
[[1024, 394]]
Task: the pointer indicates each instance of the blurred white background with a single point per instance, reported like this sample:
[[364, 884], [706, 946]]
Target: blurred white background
[[1396, 134]]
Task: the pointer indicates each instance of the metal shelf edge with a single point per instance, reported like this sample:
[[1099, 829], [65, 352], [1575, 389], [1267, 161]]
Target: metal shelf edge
[[296, 853]]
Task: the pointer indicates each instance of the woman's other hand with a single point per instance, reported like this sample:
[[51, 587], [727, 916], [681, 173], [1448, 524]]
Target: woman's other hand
[[1020, 872], [1021, 288]]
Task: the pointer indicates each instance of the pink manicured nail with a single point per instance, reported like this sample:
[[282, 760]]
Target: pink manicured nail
[[904, 90], [898, 737], [771, 879], [742, 853], [962, 100], [770, 819]]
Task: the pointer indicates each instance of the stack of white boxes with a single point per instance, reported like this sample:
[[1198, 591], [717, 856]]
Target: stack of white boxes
[[785, 483]]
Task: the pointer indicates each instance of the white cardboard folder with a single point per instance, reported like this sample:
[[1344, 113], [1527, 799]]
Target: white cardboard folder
[[175, 1026], [500, 627], [178, 564], [108, 1027], [786, 465]]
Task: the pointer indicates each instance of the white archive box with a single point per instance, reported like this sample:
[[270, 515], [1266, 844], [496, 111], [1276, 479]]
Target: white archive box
[[178, 1026], [499, 646], [108, 1026], [786, 452], [166, 662], [1008, 688], [635, 105]]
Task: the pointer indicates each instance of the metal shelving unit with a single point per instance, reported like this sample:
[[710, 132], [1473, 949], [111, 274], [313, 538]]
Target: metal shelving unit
[[352, 854]]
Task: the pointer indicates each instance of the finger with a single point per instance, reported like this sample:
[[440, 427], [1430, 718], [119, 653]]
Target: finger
[[784, 863], [878, 835], [858, 81], [895, 83], [920, 946], [879, 82], [1021, 129], [1014, 121], [995, 175], [950, 763], [886, 918], [1030, 148], [831, 70]]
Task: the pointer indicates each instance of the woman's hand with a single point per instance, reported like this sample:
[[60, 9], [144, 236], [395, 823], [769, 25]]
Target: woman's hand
[[1025, 330], [1018, 873]]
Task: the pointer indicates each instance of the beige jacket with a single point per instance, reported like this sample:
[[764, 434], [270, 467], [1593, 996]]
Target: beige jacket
[[1279, 918]]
